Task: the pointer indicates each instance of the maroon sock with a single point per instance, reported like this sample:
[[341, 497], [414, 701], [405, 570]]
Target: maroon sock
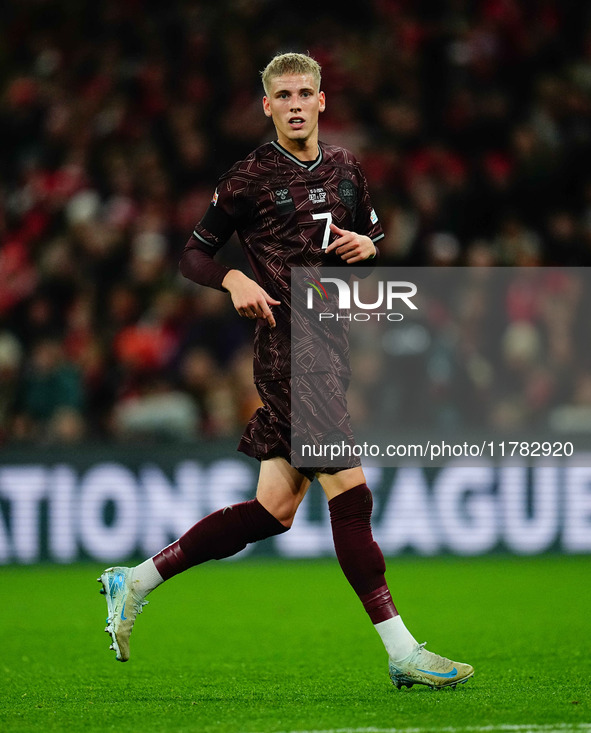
[[359, 555], [219, 535]]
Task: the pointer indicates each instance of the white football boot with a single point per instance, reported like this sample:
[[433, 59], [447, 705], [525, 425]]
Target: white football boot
[[422, 667], [123, 605]]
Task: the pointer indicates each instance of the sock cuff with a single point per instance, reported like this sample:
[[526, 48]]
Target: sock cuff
[[262, 523], [168, 561], [359, 498], [378, 604]]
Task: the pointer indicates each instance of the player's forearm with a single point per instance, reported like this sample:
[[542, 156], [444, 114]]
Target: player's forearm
[[198, 265]]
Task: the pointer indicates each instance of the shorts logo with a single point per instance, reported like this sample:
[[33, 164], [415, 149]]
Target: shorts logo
[[347, 193], [317, 195], [283, 200]]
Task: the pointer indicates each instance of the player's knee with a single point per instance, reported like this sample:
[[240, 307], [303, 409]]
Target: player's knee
[[282, 508], [285, 516]]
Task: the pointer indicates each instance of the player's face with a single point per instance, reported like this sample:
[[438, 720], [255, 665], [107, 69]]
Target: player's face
[[294, 104]]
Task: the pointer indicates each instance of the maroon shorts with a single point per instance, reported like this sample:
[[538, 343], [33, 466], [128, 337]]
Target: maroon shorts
[[301, 418]]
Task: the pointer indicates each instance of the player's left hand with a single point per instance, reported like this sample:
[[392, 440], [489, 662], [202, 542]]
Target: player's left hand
[[350, 246]]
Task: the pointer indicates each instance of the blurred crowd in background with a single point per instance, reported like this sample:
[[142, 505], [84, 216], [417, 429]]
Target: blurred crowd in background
[[472, 120], [489, 353]]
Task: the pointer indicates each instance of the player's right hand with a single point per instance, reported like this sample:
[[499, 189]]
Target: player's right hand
[[249, 299]]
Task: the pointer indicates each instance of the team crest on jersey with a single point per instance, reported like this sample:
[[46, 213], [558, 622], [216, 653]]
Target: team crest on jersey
[[317, 195], [283, 200], [347, 193]]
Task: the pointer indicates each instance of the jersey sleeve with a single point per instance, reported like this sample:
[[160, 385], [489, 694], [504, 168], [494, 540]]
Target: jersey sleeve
[[219, 221], [210, 234], [366, 219], [198, 264]]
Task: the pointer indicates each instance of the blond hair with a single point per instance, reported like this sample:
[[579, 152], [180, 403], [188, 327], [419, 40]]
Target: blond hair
[[290, 63]]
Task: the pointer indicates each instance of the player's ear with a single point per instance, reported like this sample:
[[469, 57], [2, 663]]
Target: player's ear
[[322, 101], [266, 106]]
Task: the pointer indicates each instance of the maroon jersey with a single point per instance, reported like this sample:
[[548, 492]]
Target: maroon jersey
[[281, 209]]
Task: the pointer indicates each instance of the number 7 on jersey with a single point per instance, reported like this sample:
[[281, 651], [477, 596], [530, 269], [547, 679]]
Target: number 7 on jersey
[[328, 219]]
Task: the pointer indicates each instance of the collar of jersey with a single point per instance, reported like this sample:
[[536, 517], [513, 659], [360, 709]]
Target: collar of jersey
[[291, 157]]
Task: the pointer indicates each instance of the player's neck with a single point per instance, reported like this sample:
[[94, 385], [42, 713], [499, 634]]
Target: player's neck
[[304, 150]]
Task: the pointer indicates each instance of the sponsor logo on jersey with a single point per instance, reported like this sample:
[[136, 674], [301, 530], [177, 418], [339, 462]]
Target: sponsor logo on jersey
[[347, 193], [373, 217], [283, 200], [317, 196]]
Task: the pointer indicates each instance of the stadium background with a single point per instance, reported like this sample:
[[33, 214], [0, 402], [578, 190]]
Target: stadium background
[[123, 386]]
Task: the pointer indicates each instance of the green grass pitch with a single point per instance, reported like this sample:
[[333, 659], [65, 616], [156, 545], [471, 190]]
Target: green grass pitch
[[267, 646]]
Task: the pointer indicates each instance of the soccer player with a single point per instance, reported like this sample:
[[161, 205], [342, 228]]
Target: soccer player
[[293, 202]]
